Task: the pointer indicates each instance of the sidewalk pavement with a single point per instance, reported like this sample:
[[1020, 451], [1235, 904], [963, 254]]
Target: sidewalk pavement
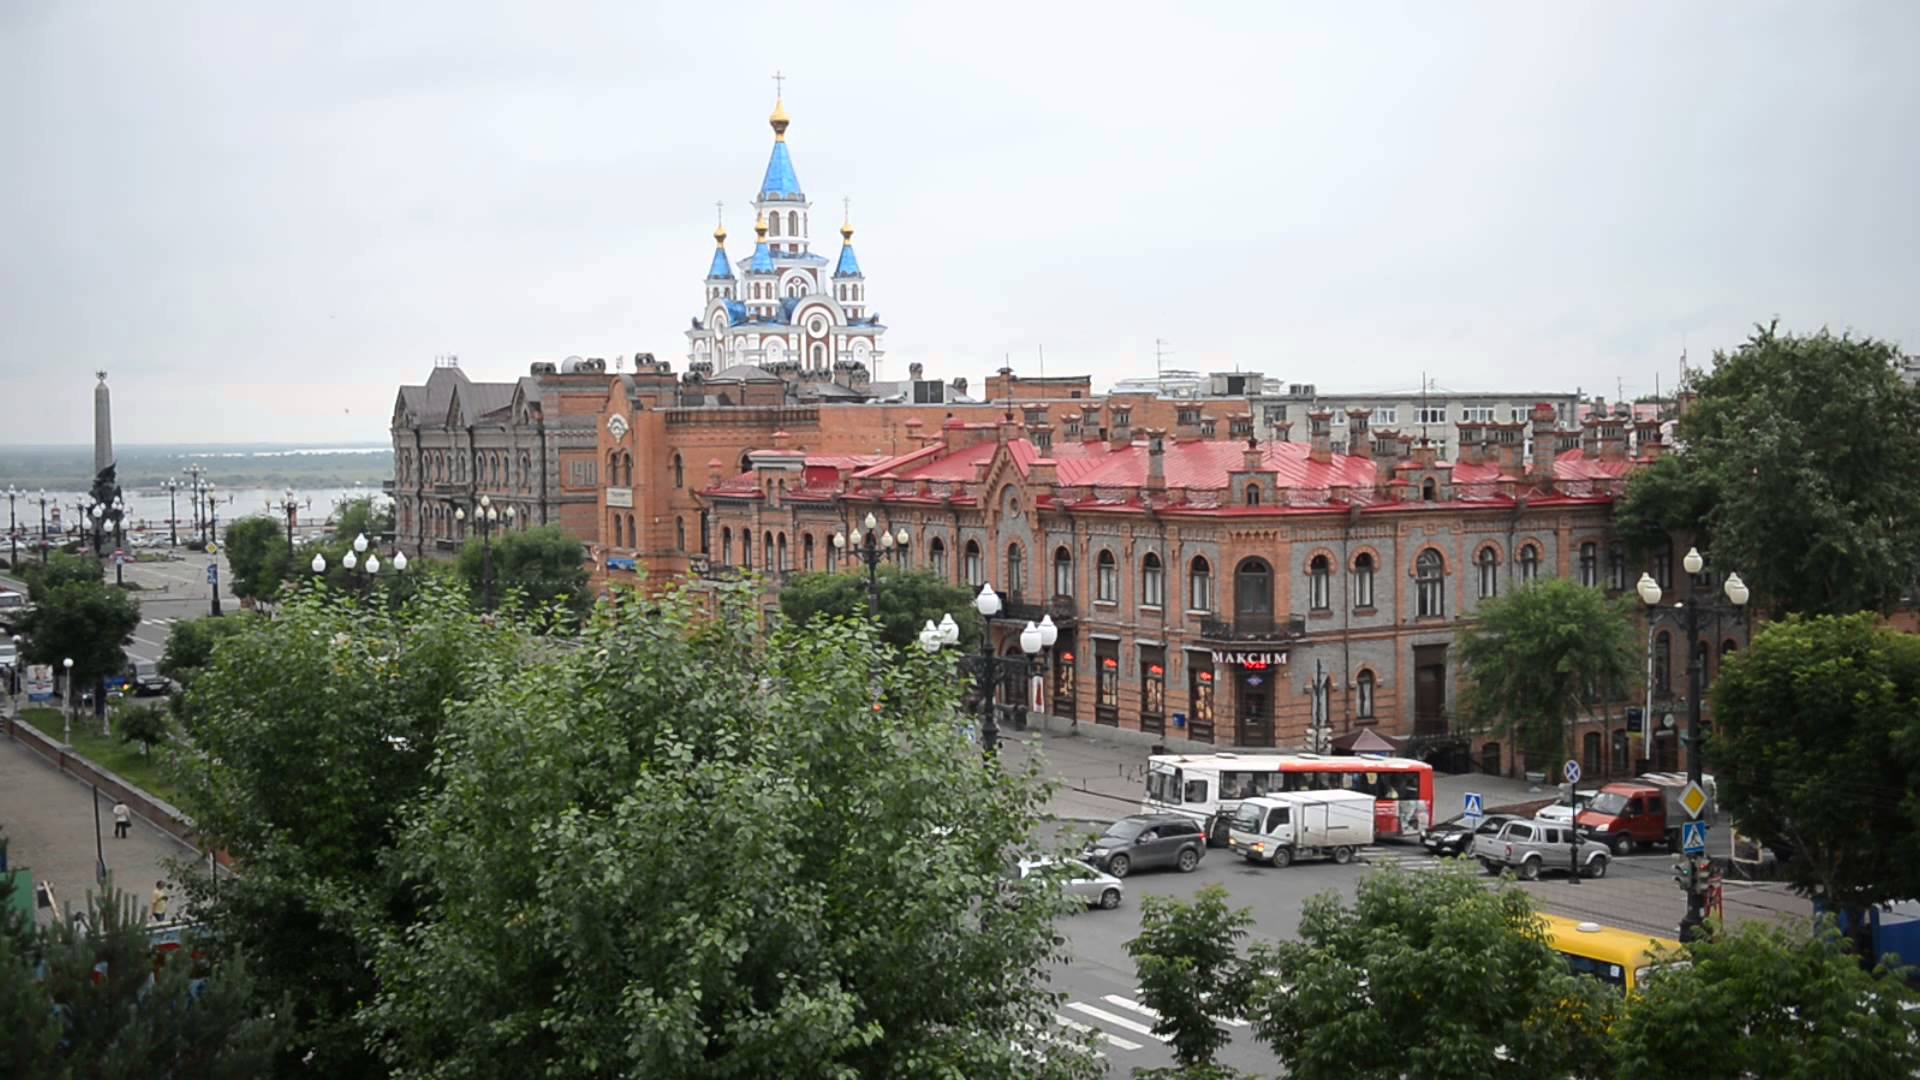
[[1102, 780], [50, 830]]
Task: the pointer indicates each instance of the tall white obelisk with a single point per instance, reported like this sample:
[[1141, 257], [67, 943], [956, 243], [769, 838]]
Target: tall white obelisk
[[102, 425]]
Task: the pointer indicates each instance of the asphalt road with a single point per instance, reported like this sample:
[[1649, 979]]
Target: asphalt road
[[170, 592], [1102, 996]]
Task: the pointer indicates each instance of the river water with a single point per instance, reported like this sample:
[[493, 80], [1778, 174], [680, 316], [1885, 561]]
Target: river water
[[148, 509]]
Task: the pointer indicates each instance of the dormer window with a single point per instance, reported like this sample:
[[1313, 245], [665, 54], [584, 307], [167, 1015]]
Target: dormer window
[[1241, 426], [1189, 416]]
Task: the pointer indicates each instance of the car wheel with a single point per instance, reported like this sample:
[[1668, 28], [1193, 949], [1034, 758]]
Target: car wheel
[[1189, 859], [1622, 844], [1530, 870], [1282, 857], [1597, 868], [1343, 855], [1217, 832], [1119, 866], [1110, 899], [1492, 867]]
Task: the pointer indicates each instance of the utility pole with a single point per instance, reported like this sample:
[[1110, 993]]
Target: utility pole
[[1160, 355]]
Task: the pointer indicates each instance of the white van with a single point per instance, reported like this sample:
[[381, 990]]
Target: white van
[[1277, 829]]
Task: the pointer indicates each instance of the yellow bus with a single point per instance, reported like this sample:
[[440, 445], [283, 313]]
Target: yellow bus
[[1622, 959]]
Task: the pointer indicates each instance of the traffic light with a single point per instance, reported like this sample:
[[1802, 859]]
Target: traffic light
[[1683, 874]]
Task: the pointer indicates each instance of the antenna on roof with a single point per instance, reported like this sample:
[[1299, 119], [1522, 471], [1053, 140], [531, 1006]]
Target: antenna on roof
[[1043, 361], [1160, 355]]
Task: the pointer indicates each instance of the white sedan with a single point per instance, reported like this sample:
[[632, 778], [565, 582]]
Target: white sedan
[[1098, 889], [1560, 813]]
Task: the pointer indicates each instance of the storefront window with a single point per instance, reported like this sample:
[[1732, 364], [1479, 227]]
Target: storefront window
[[1153, 688], [1199, 697]]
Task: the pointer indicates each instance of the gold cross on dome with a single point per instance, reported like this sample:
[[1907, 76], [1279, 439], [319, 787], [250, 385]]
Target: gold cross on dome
[[779, 83], [719, 213]]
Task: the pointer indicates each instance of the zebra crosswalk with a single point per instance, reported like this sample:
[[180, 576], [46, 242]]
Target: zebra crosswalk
[[1117, 1022], [1411, 859], [158, 622]]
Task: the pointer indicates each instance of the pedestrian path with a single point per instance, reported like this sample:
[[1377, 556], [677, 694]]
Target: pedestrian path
[[158, 622], [1118, 1023]]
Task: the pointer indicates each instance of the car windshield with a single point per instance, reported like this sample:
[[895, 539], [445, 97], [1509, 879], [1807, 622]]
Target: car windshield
[[1247, 816], [1608, 802], [1123, 830], [145, 668]]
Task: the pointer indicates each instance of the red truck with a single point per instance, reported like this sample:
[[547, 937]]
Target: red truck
[[1643, 811]]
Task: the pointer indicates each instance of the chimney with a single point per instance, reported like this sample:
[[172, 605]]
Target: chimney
[[1425, 454], [1009, 428], [713, 472], [1156, 460], [916, 371], [1281, 432], [1590, 436], [1359, 433], [1546, 441], [780, 439], [1613, 439], [1320, 425], [1252, 458], [1469, 442], [1646, 438]]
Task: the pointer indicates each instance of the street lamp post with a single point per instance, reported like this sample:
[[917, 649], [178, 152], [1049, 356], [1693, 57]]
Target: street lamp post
[[872, 544], [486, 518], [1697, 603], [989, 668], [172, 488], [66, 736], [13, 536], [43, 526], [370, 567], [290, 508], [213, 579]]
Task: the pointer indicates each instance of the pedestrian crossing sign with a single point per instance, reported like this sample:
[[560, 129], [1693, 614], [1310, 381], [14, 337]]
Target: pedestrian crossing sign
[[1693, 838], [1476, 806]]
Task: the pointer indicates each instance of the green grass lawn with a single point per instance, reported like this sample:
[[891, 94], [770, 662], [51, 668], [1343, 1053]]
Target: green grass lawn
[[122, 758]]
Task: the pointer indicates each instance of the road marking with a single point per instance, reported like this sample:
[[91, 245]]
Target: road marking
[[1117, 1021], [1086, 1029], [1154, 1015]]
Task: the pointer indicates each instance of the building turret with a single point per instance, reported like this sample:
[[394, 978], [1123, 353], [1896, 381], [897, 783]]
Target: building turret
[[762, 278], [720, 279], [780, 201], [849, 284]]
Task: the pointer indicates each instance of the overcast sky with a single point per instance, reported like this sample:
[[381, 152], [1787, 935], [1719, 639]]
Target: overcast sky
[[260, 219]]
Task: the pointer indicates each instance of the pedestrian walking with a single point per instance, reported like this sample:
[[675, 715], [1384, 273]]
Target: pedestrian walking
[[158, 907], [122, 819]]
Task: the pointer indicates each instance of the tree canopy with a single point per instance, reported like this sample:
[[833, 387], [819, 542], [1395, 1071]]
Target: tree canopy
[[312, 730], [356, 517], [1187, 957], [1816, 747], [258, 557], [1538, 657], [1774, 1001], [541, 566], [86, 621], [685, 850], [1430, 975], [1801, 451], [190, 645], [61, 569], [909, 599]]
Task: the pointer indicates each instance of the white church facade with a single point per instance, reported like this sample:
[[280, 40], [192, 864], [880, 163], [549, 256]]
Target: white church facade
[[785, 309]]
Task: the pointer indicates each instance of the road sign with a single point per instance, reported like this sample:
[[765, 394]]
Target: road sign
[[1694, 798], [1693, 837], [1476, 807], [213, 573], [1571, 770]]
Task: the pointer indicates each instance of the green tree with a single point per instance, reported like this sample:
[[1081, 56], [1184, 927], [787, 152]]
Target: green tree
[[1542, 655], [146, 725], [258, 556], [1430, 975], [1188, 960], [61, 569], [358, 517], [312, 732], [88, 622], [1815, 747], [683, 849], [1774, 1001], [1806, 446], [115, 1016], [191, 645], [909, 599], [540, 566]]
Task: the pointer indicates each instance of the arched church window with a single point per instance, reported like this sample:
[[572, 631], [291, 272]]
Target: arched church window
[[774, 226], [819, 355], [793, 222]]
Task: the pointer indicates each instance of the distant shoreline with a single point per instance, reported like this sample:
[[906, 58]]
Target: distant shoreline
[[229, 465]]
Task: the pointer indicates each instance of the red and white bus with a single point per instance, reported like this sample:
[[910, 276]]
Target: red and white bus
[[1208, 787]]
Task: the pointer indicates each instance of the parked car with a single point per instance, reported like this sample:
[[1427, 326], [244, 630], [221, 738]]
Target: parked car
[[1563, 814], [13, 608], [1641, 812], [1529, 848], [145, 679], [1455, 837], [1144, 841], [1098, 888]]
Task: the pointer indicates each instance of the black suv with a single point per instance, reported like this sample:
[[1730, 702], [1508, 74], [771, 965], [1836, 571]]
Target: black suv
[[1455, 837], [1146, 840]]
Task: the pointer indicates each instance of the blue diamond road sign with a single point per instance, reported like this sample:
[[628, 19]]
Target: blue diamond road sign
[[1693, 838]]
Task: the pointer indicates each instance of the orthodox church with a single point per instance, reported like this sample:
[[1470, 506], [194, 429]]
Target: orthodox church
[[779, 309]]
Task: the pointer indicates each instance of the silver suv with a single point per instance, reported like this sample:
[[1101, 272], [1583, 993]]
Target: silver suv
[[1529, 847]]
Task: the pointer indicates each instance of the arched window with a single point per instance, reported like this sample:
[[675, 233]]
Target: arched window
[[773, 224], [746, 549], [1489, 564], [1529, 564], [1363, 696], [1062, 572], [768, 561], [1199, 585], [1363, 580], [783, 551], [1153, 581], [1430, 581], [680, 533], [937, 557], [806, 551], [1616, 567], [970, 564], [746, 463], [616, 531], [626, 469], [679, 472], [1589, 564], [726, 546], [819, 355], [1429, 490], [1016, 570], [1253, 593], [1320, 583], [1109, 575], [793, 223], [1253, 494], [633, 535]]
